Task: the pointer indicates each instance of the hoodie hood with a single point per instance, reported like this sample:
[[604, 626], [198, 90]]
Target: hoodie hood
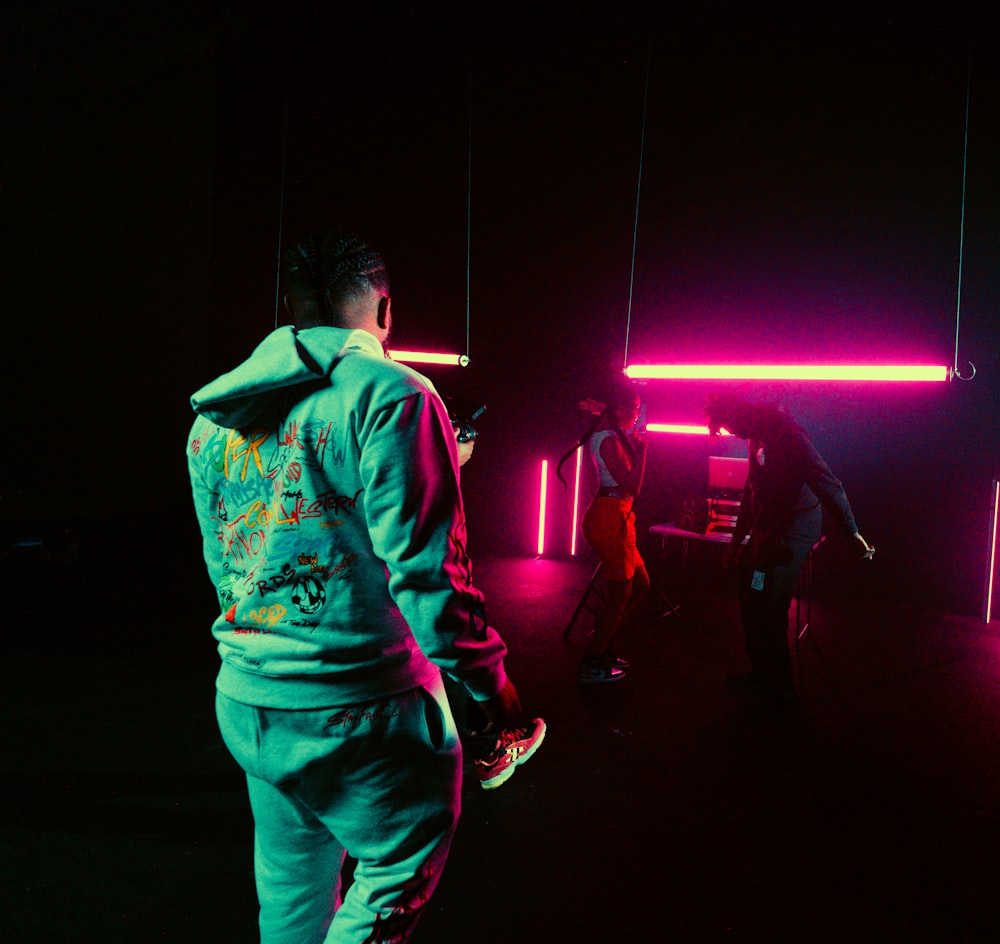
[[285, 359]]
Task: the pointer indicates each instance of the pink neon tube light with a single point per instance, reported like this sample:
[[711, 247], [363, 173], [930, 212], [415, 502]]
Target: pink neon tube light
[[541, 507], [857, 372], [992, 555], [690, 429], [576, 503], [427, 357]]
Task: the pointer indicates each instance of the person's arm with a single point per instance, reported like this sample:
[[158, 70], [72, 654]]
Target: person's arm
[[206, 502], [742, 527], [830, 491], [417, 526]]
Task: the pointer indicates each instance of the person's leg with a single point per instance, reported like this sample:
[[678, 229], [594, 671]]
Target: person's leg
[[754, 619], [297, 861], [765, 598], [640, 586], [396, 810], [609, 617], [773, 659], [381, 781], [297, 867], [778, 600], [605, 528]]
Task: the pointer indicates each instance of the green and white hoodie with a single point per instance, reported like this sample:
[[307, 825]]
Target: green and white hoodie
[[325, 481]]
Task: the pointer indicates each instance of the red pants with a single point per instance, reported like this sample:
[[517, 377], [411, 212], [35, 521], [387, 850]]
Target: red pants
[[609, 529]]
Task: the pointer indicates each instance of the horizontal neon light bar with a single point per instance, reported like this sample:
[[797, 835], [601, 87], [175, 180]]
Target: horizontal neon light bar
[[685, 428], [427, 357], [865, 372]]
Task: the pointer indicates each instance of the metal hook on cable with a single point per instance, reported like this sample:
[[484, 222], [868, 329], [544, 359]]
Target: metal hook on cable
[[955, 373]]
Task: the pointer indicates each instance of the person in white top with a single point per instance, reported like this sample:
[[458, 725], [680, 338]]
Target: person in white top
[[618, 450]]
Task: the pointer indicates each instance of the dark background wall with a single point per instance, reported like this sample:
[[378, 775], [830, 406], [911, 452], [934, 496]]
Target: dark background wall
[[801, 198]]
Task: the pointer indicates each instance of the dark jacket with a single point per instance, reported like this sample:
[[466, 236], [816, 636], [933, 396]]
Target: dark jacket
[[788, 484]]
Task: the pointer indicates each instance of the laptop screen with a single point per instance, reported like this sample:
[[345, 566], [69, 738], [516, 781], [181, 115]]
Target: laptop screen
[[726, 473]]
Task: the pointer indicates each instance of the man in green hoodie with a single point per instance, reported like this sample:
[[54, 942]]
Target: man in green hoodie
[[325, 481]]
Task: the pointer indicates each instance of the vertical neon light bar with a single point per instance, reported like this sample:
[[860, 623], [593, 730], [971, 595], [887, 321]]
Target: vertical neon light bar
[[576, 502], [541, 506], [991, 557]]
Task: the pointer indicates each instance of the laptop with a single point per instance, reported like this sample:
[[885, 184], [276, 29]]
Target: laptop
[[727, 475]]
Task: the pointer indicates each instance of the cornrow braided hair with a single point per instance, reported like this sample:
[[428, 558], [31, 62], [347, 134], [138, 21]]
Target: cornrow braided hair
[[332, 267]]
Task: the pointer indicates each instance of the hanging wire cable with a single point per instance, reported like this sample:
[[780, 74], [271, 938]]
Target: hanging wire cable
[[635, 225], [468, 240], [955, 372], [281, 216]]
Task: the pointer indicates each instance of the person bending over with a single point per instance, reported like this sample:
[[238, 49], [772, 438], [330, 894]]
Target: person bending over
[[787, 487]]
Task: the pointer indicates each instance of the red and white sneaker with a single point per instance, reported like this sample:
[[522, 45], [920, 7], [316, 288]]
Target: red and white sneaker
[[514, 747]]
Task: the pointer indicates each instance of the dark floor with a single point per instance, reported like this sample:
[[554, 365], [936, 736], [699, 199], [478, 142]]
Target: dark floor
[[658, 809]]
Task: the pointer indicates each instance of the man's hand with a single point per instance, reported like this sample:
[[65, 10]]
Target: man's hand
[[465, 451], [731, 555], [867, 550], [503, 710]]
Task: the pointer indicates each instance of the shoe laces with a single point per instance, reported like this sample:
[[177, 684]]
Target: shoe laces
[[509, 735]]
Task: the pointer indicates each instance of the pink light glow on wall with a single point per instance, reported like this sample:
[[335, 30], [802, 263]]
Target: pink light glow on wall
[[849, 372], [543, 489], [428, 357]]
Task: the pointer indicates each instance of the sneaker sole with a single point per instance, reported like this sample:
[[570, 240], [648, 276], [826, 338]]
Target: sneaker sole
[[500, 779], [603, 680]]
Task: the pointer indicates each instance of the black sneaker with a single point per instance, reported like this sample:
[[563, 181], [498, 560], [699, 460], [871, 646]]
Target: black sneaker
[[617, 661], [596, 670]]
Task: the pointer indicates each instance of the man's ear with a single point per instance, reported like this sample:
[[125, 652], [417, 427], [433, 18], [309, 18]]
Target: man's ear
[[385, 313]]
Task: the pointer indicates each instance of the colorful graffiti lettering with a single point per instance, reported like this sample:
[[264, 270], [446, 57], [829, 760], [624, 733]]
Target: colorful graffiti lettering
[[278, 580], [240, 493], [322, 441], [291, 435], [331, 501], [265, 615], [327, 502], [328, 572], [243, 544], [352, 717], [234, 453], [256, 514]]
